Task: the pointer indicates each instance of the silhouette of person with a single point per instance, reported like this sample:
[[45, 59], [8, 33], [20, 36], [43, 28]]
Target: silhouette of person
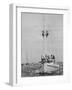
[[47, 33], [43, 33]]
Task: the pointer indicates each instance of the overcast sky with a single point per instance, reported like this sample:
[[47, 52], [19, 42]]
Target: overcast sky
[[32, 41]]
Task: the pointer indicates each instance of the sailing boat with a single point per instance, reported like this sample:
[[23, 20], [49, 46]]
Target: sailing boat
[[51, 66]]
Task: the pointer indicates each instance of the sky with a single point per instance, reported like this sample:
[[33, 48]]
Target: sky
[[33, 44]]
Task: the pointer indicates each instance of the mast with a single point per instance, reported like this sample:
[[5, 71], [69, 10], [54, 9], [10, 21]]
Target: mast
[[44, 36]]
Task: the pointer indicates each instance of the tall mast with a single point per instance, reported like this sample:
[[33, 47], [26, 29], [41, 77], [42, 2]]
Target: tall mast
[[44, 36]]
